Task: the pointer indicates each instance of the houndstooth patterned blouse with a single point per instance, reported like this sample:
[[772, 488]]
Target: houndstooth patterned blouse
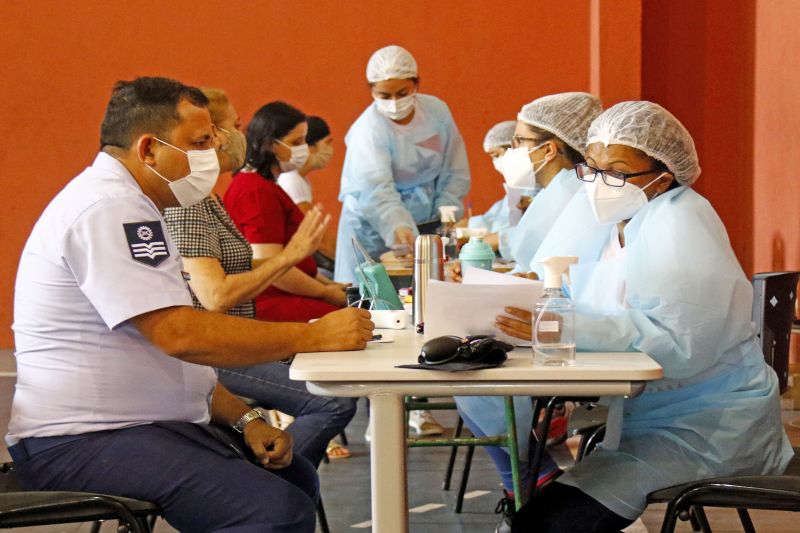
[[206, 230]]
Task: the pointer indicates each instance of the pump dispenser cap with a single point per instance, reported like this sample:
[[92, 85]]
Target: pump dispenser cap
[[554, 268], [447, 213]]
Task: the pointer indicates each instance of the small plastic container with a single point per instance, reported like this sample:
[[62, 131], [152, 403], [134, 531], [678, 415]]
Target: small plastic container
[[476, 253]]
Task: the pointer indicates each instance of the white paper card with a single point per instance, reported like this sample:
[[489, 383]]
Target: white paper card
[[479, 276], [470, 309]]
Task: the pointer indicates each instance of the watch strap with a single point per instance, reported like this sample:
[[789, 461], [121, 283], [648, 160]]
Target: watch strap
[[246, 418]]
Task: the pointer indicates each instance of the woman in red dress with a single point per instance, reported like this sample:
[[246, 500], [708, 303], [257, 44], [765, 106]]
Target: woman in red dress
[[267, 217]]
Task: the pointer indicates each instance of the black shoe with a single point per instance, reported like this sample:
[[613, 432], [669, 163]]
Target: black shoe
[[505, 507]]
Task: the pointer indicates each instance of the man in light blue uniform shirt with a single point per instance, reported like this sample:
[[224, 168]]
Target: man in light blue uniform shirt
[[405, 159], [115, 389]]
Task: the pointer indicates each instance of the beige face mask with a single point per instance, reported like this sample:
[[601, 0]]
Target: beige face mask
[[235, 148], [319, 159]]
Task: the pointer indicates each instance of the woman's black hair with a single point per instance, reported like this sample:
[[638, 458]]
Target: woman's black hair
[[317, 130], [543, 136], [273, 121]]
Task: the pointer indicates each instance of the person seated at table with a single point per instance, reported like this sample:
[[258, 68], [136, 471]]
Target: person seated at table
[[267, 217], [115, 388], [499, 221], [223, 279], [549, 141], [298, 186], [656, 274]]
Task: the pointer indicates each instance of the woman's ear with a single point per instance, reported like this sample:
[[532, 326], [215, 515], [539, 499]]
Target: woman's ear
[[664, 182]]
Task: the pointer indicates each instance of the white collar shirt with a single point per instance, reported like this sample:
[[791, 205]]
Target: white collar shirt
[[98, 256]]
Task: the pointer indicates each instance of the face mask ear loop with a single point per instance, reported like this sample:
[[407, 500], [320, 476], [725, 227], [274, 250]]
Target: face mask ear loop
[[657, 194]]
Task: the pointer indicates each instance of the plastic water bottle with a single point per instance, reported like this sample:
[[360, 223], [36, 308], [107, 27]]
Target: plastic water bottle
[[554, 317]]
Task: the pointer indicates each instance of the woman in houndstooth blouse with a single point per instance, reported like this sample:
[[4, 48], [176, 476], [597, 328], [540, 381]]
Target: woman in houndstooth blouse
[[224, 278]]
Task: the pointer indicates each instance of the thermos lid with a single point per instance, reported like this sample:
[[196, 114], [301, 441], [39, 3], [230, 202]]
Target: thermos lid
[[428, 248]]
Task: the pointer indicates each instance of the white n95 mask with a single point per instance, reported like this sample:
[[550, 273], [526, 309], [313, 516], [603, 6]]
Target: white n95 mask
[[297, 159], [612, 205], [497, 162], [203, 174], [517, 168], [396, 109]]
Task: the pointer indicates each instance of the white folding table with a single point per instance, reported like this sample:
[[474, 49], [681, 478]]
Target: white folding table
[[372, 373]]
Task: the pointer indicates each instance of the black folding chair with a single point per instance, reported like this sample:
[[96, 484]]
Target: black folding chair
[[775, 294], [20, 508]]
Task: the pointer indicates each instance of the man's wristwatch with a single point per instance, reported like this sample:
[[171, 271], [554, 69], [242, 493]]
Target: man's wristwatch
[[248, 417]]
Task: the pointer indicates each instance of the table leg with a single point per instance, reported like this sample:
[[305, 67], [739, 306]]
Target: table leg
[[388, 463]]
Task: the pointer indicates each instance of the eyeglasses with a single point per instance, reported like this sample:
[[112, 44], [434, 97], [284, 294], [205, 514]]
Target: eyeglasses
[[517, 140], [612, 178]]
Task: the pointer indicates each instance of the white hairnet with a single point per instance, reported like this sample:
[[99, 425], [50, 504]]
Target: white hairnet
[[653, 130], [499, 135], [391, 63], [565, 115]]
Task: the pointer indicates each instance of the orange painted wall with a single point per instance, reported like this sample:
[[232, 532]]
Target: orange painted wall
[[777, 137], [697, 61], [61, 58]]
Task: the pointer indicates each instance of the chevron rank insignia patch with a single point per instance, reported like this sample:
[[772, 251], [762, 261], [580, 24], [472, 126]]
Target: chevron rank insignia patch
[[146, 242]]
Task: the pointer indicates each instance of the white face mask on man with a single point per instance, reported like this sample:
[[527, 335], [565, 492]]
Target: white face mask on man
[[203, 174], [612, 205], [517, 168], [396, 109], [297, 159]]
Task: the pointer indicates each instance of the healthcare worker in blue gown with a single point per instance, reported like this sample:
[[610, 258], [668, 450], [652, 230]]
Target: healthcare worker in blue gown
[[405, 158], [566, 116], [548, 143], [504, 215], [657, 274]]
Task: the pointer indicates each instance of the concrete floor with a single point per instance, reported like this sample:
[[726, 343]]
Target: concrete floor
[[345, 486]]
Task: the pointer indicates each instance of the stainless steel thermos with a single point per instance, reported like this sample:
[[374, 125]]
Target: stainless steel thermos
[[428, 264]]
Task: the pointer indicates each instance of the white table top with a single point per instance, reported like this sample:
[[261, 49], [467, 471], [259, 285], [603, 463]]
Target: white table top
[[377, 364]]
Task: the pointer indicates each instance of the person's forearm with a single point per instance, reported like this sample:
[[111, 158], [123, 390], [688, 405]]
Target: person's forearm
[[235, 289], [226, 409], [215, 339], [297, 282]]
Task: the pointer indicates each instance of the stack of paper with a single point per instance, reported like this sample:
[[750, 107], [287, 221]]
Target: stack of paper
[[470, 308]]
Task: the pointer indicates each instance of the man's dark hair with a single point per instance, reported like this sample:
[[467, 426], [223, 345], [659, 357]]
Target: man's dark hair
[[317, 130], [273, 121], [144, 105]]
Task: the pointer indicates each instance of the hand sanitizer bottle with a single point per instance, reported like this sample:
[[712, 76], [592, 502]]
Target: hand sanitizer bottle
[[447, 217], [554, 317]]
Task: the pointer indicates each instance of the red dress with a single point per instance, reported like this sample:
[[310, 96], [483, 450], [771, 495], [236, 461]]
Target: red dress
[[265, 214]]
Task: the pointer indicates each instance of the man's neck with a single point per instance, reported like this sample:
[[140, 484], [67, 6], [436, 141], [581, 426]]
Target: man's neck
[[132, 166]]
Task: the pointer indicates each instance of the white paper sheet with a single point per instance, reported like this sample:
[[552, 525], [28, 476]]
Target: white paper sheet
[[479, 276], [470, 309]]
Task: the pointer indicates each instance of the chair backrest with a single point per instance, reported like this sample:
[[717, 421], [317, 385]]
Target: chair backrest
[[773, 312]]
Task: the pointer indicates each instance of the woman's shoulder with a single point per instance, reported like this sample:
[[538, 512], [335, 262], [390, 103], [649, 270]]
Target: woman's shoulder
[[201, 211]]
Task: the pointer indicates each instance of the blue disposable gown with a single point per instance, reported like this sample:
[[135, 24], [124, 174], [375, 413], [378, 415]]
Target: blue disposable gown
[[540, 216], [396, 176], [687, 304], [502, 218]]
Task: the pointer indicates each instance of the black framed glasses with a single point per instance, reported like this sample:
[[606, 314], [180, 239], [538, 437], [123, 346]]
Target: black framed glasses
[[518, 140], [612, 178]]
